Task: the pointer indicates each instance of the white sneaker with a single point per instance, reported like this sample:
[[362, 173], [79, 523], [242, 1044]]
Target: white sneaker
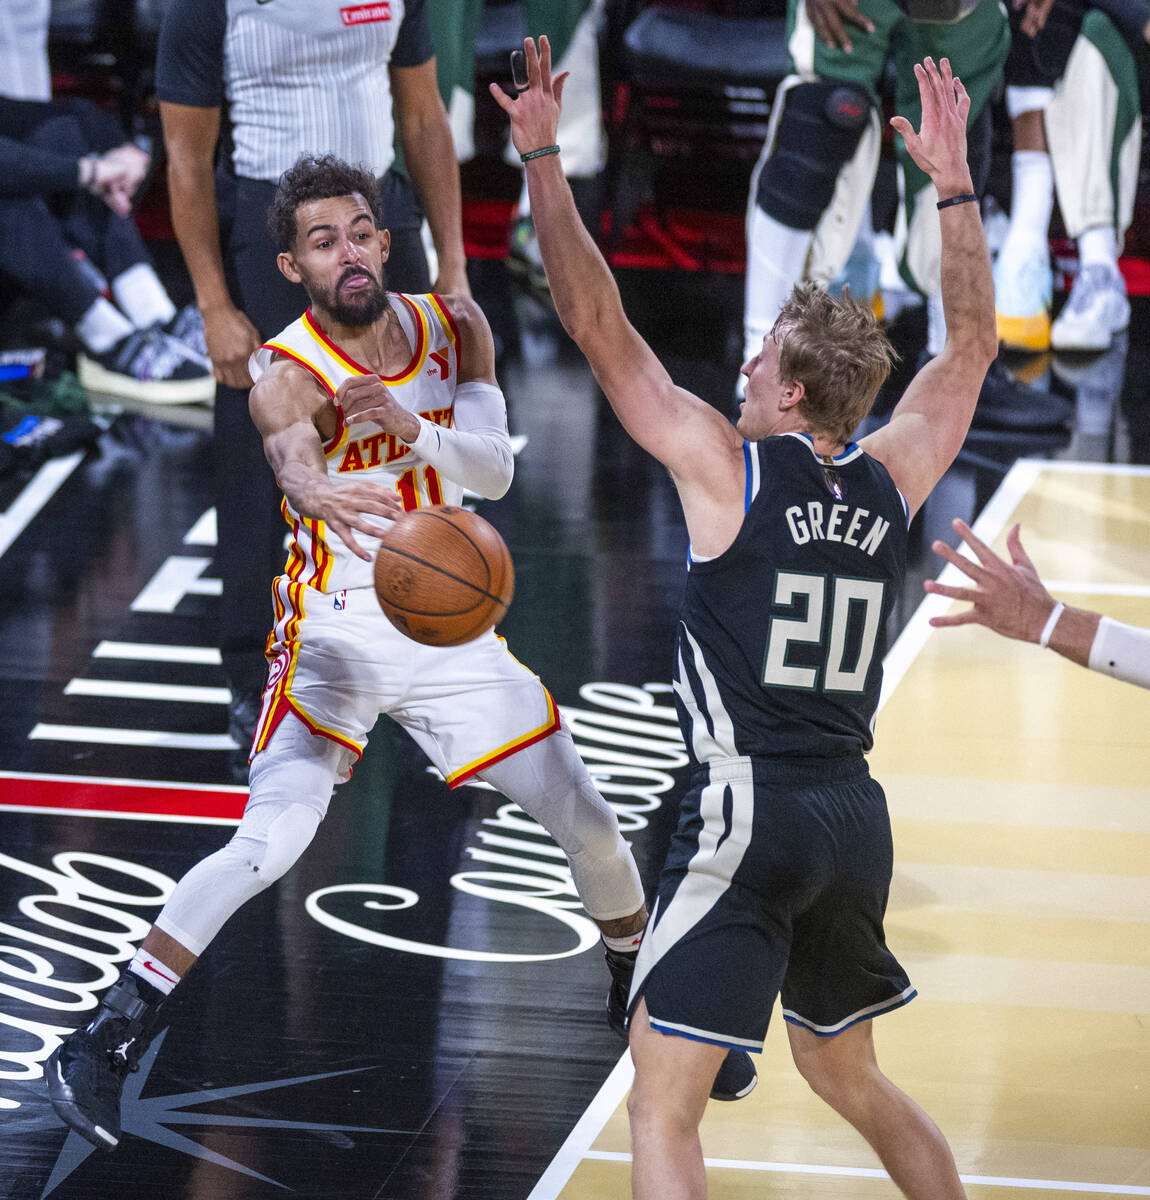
[[1023, 288], [1096, 310], [151, 366]]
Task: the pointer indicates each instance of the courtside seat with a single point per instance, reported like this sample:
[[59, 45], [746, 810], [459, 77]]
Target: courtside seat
[[686, 48], [688, 117]]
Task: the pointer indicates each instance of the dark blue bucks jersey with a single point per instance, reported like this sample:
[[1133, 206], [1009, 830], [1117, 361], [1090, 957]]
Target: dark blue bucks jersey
[[781, 638]]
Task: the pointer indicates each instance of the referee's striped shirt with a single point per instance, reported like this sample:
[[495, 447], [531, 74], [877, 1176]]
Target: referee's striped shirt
[[293, 76]]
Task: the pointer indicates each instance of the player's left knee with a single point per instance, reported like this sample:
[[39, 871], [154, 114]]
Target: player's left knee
[[596, 823]]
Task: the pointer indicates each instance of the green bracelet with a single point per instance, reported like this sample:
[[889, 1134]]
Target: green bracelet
[[538, 153]]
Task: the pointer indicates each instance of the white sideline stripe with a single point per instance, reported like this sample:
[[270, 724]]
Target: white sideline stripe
[[35, 494], [994, 516], [123, 689], [132, 737], [1099, 589], [172, 818], [738, 1164], [153, 652], [115, 781], [578, 1143], [1089, 468]]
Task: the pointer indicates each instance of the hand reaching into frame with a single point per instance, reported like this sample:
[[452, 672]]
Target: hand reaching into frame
[[1009, 598], [830, 19]]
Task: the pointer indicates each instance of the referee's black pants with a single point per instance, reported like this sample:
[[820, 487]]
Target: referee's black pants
[[250, 530]]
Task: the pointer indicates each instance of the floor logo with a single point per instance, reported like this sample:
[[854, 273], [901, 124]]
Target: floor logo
[[146, 1118]]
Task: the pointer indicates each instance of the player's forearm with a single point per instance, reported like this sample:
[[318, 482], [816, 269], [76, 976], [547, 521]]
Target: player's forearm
[[581, 283], [1119, 650], [430, 157], [479, 460], [304, 486], [191, 187], [967, 283]]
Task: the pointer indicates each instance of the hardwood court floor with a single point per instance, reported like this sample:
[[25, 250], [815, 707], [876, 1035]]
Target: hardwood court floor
[[415, 1011], [1021, 901]]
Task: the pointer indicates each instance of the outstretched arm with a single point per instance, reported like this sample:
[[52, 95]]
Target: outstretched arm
[[930, 422], [285, 404], [678, 428], [1009, 598]]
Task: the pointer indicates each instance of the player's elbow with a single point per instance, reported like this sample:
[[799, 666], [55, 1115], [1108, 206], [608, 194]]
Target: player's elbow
[[500, 474], [586, 314]]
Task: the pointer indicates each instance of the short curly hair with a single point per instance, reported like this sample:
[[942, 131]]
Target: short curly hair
[[318, 178]]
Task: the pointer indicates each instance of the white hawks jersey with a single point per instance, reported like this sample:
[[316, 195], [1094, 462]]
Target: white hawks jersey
[[317, 558]]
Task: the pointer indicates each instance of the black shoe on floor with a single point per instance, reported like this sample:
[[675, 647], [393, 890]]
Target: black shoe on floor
[[621, 964], [1005, 403], [736, 1077], [86, 1073]]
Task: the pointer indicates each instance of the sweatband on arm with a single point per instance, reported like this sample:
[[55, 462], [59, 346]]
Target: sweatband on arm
[[476, 451], [1122, 651]]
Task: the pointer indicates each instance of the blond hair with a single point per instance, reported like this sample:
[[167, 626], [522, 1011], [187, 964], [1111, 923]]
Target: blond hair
[[836, 349]]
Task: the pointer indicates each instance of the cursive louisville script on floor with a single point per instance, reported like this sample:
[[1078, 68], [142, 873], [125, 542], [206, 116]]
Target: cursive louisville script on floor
[[629, 740], [630, 743]]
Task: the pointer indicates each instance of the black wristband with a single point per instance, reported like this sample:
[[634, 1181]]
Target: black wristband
[[965, 198], [538, 153]]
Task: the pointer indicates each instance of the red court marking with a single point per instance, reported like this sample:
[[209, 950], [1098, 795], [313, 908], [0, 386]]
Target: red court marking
[[120, 796]]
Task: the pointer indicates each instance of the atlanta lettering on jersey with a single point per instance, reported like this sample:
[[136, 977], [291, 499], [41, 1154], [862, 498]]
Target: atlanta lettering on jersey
[[815, 524], [379, 448]]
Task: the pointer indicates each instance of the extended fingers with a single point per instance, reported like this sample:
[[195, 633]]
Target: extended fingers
[[963, 99], [930, 84], [545, 62], [1018, 555], [970, 595], [986, 555], [952, 556]]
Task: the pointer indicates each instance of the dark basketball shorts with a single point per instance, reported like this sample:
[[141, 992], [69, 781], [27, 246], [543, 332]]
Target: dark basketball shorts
[[776, 882]]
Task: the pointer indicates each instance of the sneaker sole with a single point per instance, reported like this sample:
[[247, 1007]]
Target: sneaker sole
[[1024, 333], [96, 378], [1082, 346], [64, 1102]]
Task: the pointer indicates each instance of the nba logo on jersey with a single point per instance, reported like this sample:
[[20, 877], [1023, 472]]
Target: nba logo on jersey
[[834, 483], [339, 600]]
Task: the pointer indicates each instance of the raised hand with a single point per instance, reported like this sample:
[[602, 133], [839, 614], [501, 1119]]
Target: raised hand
[[939, 146], [534, 112]]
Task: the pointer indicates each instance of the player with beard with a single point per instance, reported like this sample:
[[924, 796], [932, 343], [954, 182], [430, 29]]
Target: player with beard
[[370, 404]]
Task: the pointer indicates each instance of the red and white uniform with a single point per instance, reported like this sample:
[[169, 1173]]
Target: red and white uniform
[[336, 661], [425, 386]]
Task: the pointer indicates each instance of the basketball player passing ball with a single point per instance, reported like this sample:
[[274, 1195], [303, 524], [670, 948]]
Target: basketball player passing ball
[[372, 403]]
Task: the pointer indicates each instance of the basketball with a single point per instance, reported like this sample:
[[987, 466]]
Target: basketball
[[443, 575]]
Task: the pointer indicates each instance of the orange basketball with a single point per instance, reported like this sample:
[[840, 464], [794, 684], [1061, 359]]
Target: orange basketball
[[443, 575]]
